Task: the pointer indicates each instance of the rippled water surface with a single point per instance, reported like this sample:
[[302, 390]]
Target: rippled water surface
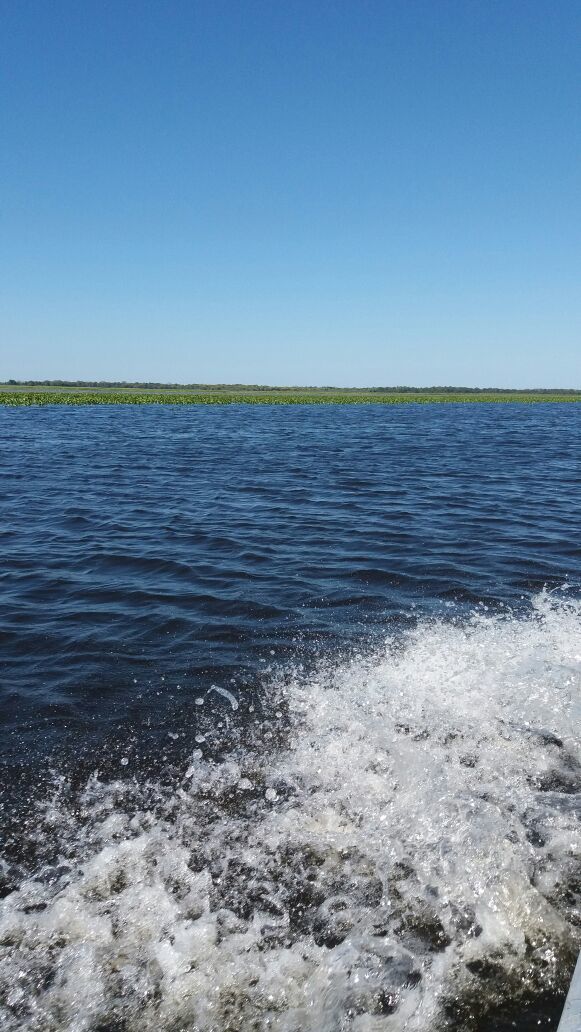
[[290, 707]]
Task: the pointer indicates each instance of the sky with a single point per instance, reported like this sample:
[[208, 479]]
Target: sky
[[301, 192]]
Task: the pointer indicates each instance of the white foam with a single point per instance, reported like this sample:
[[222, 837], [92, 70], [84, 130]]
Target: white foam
[[420, 822]]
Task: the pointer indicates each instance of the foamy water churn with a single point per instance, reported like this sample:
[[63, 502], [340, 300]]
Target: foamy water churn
[[406, 857]]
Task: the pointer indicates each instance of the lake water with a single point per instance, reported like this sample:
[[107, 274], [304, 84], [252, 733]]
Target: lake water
[[290, 705]]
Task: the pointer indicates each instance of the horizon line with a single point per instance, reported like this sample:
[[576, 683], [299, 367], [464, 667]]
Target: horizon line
[[151, 384]]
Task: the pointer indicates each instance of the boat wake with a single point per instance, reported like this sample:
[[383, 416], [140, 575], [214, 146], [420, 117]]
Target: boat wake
[[404, 854]]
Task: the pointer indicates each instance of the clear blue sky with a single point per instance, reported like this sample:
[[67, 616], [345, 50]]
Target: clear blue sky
[[291, 191]]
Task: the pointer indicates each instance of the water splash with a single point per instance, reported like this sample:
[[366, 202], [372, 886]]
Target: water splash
[[407, 858]]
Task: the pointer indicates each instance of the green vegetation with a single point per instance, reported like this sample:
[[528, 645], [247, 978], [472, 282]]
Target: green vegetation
[[108, 394]]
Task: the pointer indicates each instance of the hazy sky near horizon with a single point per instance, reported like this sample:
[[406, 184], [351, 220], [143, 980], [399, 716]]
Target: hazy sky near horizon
[[356, 193]]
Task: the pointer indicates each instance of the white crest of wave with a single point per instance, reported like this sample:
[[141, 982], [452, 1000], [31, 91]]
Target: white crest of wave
[[410, 853]]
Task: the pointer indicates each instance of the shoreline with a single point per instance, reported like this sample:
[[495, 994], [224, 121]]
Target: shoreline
[[132, 396]]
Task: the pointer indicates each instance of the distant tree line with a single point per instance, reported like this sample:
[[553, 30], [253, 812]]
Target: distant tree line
[[150, 385]]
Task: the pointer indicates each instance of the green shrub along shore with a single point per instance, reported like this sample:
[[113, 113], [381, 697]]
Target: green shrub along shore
[[25, 394]]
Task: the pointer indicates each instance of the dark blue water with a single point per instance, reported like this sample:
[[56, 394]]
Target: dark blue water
[[148, 553], [190, 542]]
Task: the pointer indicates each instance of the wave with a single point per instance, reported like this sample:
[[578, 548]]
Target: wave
[[398, 848]]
